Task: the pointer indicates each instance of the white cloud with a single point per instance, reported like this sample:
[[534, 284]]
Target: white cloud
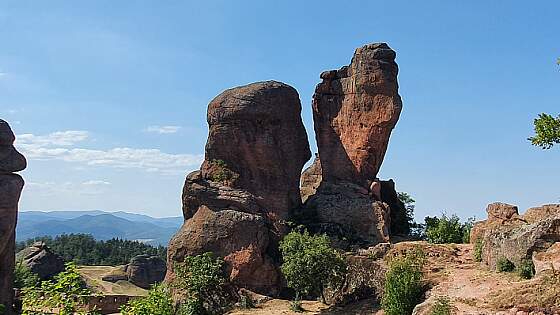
[[61, 146], [163, 129], [96, 183], [51, 188]]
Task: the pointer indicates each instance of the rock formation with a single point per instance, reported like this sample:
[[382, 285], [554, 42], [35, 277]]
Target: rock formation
[[11, 185], [236, 204], [354, 110], [41, 260], [146, 270], [517, 237]]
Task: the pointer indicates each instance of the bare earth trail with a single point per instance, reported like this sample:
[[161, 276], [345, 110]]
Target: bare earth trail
[[471, 288]]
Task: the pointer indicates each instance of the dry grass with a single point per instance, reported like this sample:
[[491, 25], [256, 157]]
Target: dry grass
[[92, 275]]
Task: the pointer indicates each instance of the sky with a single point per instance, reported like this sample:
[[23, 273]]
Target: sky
[[108, 98]]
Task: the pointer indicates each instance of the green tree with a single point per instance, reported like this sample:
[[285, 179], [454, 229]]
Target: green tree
[[447, 229], [547, 131], [158, 302], [201, 279], [403, 283], [405, 222], [310, 264]]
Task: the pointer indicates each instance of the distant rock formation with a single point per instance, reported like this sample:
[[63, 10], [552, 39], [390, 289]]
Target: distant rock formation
[[41, 260], [354, 110], [146, 270], [518, 237], [11, 185], [235, 206]]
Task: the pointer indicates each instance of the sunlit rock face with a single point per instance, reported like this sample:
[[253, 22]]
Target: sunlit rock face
[[235, 206], [11, 185], [355, 110]]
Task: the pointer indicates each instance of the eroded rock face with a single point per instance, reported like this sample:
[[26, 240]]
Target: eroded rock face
[[247, 185], [146, 270], [354, 111], [41, 260], [508, 235], [11, 185]]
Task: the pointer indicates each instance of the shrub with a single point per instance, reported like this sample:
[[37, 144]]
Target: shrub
[[223, 173], [402, 221], [66, 292], [2, 309], [477, 250], [24, 277], [403, 284], [246, 302], [526, 269], [442, 306], [446, 230], [201, 277], [158, 301], [310, 263], [504, 265], [295, 306]]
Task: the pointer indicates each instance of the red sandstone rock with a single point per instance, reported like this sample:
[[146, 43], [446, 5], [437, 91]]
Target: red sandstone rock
[[248, 184], [354, 111], [548, 260], [501, 211], [10, 190]]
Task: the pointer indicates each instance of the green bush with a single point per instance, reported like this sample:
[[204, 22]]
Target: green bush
[[201, 278], [442, 306], [223, 173], [295, 306], [310, 264], [24, 277], [158, 302], [526, 269], [477, 250], [66, 292], [446, 230], [2, 309], [246, 302], [403, 284], [504, 265]]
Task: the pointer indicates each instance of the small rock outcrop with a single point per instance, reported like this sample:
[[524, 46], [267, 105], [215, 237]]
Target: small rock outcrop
[[355, 109], [11, 185], [506, 234], [146, 270], [41, 260], [236, 204]]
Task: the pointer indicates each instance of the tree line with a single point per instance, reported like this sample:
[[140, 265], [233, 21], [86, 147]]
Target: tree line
[[83, 249]]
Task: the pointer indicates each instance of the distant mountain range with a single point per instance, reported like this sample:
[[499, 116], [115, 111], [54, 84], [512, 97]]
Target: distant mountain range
[[101, 225]]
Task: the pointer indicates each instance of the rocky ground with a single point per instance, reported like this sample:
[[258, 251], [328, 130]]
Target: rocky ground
[[93, 274], [451, 272]]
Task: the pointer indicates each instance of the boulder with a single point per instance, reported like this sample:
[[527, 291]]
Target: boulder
[[547, 260], [40, 259], [11, 186], [146, 270], [509, 235], [236, 204], [355, 109]]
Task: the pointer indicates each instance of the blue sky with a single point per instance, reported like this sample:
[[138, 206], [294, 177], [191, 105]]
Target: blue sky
[[109, 97]]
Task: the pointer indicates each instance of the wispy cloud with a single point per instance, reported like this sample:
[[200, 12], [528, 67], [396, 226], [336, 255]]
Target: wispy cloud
[[62, 146], [96, 183], [163, 129]]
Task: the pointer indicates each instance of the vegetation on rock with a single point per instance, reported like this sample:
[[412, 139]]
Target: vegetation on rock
[[310, 263], [403, 283], [526, 269], [477, 250], [83, 249], [504, 265], [442, 306], [24, 277]]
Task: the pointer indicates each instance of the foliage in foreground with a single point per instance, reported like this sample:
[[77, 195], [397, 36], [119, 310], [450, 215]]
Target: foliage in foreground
[[66, 292], [446, 230], [477, 250], [158, 301], [24, 277], [547, 131], [526, 269], [310, 263], [442, 306], [201, 278], [403, 283], [504, 265], [83, 249]]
